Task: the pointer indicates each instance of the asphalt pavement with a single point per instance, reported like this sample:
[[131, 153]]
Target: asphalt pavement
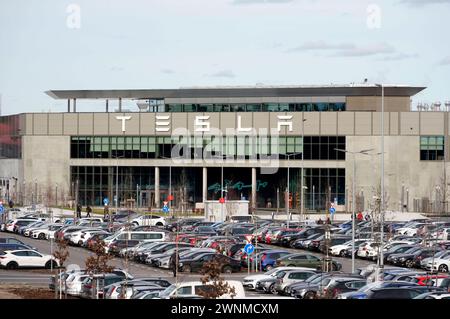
[[78, 255]]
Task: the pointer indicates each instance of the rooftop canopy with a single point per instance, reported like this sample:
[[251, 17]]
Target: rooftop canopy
[[229, 92]]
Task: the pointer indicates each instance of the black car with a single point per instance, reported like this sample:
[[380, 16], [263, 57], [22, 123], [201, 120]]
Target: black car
[[301, 243], [399, 292], [117, 245], [345, 285], [398, 259], [227, 264], [399, 249], [305, 234]]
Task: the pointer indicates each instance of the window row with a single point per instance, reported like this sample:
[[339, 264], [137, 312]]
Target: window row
[[150, 147], [254, 107], [432, 148]]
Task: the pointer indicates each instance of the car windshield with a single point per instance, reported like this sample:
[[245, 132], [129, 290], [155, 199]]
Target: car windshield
[[412, 250], [168, 291], [271, 271]]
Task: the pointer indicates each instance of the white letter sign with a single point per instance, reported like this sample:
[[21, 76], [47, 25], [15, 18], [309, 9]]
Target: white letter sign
[[123, 119]]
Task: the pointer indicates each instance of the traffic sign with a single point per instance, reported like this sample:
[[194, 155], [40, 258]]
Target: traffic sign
[[170, 197], [249, 249], [221, 200], [165, 209], [1, 209], [106, 201], [332, 210]]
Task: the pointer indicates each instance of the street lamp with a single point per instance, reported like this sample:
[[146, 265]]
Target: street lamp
[[381, 261], [287, 187], [302, 212], [364, 152], [169, 197]]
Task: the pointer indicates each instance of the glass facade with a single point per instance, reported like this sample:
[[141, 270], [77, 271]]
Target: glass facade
[[98, 182], [432, 148], [318, 181], [252, 107], [152, 147], [10, 139]]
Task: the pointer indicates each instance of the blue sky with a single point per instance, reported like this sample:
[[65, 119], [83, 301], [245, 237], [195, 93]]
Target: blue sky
[[178, 43]]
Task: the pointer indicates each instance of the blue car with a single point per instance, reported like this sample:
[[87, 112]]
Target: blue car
[[268, 258]]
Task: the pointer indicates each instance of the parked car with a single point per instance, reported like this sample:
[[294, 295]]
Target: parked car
[[93, 286], [305, 260], [26, 258], [192, 289], [267, 259], [290, 277], [227, 264], [151, 220]]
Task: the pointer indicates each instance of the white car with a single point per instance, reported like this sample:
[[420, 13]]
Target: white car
[[44, 233], [427, 262], [369, 250], [250, 282], [76, 238], [443, 234], [74, 283], [440, 264], [9, 227], [149, 220], [14, 259], [339, 250]]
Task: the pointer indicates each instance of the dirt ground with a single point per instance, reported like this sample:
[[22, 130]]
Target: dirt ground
[[25, 292]]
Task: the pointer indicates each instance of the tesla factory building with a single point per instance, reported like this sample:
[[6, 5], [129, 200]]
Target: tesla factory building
[[236, 143]]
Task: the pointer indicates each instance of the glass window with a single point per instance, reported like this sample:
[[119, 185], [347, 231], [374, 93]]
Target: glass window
[[432, 148]]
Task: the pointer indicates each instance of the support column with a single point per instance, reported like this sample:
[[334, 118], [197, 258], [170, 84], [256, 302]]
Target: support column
[[68, 105], [74, 105], [205, 184], [157, 193], [120, 104], [107, 106], [253, 189]]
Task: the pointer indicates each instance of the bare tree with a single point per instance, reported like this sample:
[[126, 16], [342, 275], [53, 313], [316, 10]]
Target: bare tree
[[61, 253], [98, 263], [216, 286]]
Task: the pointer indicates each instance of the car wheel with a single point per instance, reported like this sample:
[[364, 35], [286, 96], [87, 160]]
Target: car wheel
[[12, 265], [342, 253], [41, 236], [290, 265], [80, 243], [135, 224], [51, 264], [186, 268], [310, 295], [333, 267], [409, 263], [269, 267], [174, 229], [159, 224], [443, 268], [227, 270], [272, 289]]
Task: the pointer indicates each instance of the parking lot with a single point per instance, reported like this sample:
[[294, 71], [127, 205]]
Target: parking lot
[[144, 248]]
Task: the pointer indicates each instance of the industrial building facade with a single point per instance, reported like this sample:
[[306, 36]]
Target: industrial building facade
[[193, 142]]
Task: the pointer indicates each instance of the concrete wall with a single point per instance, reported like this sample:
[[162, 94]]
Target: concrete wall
[[10, 168], [46, 159], [403, 167], [317, 123]]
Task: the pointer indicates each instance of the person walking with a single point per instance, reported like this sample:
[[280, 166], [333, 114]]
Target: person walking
[[78, 211], [174, 261], [88, 211]]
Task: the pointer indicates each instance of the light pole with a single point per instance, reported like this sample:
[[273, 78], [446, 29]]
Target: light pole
[[381, 259], [169, 197], [353, 199], [287, 188], [302, 213]]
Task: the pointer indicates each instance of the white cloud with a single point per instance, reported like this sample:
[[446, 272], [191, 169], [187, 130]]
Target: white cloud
[[345, 49], [260, 1], [223, 74], [445, 61], [420, 3], [399, 56]]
